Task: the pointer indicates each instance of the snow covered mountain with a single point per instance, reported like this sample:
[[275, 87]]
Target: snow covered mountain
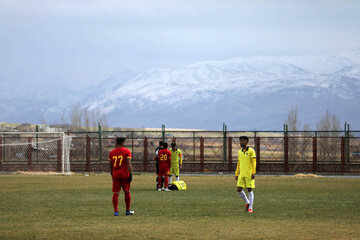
[[244, 92]]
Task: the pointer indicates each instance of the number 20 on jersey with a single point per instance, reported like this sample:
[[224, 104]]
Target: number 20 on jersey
[[163, 157]]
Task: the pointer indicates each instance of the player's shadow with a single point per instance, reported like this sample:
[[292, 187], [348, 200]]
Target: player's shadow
[[146, 189]]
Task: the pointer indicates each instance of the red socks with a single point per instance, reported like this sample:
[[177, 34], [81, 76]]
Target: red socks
[[166, 183], [115, 200], [127, 200], [162, 181], [159, 182]]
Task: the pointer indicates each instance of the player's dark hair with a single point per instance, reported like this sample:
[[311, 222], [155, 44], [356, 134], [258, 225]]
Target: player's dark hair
[[173, 144], [161, 143], [165, 145], [244, 138], [120, 140]]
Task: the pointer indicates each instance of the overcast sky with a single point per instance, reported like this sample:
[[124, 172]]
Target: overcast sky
[[87, 41]]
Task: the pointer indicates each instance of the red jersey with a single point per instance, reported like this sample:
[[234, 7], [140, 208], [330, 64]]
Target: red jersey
[[118, 158], [164, 156]]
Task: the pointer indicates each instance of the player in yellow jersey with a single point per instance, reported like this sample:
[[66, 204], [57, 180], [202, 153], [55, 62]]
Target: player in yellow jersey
[[245, 172], [176, 162]]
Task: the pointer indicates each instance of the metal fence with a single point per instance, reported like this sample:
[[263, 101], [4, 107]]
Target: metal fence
[[336, 152], [216, 151]]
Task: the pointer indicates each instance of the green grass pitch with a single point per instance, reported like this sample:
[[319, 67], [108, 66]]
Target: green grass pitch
[[80, 207]]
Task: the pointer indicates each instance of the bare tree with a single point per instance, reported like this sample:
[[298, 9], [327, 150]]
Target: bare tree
[[43, 120], [328, 139], [86, 116], [82, 117], [306, 127], [103, 121], [293, 123], [63, 119], [306, 143], [329, 122], [293, 119], [97, 116], [76, 115]]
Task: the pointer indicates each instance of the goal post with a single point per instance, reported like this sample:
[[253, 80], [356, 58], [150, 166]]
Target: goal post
[[35, 152]]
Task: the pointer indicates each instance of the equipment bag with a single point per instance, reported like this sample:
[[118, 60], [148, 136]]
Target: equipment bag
[[177, 185]]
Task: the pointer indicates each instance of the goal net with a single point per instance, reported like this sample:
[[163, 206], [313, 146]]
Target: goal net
[[35, 152]]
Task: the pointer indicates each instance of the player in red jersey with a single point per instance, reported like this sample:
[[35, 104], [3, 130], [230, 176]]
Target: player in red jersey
[[164, 156], [156, 158], [121, 173]]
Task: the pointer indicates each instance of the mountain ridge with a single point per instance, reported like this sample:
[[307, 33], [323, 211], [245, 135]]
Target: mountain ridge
[[211, 81], [205, 94]]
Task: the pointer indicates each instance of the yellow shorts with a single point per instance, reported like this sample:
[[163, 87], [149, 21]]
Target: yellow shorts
[[174, 170], [246, 182]]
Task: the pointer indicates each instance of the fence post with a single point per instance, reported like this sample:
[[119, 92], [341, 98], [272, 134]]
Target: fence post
[[4, 149], [132, 142], [145, 154], [59, 155], [1, 154], [286, 149], [163, 132], [29, 155], [258, 154], [347, 142], [314, 154], [230, 153], [342, 155], [100, 143], [194, 146], [37, 143], [202, 154], [88, 153], [224, 141]]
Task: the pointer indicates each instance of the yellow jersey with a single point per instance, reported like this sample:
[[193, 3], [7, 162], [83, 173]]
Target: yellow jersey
[[176, 156], [246, 165]]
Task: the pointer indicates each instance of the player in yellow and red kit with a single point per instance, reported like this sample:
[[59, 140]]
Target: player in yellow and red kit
[[164, 156], [121, 173]]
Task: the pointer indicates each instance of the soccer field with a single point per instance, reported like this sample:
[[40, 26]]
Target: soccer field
[[80, 207]]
